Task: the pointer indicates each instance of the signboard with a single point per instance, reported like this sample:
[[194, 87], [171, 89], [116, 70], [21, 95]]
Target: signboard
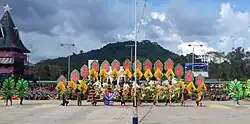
[[199, 69]]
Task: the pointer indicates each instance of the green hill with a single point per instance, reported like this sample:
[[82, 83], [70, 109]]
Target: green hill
[[119, 50]]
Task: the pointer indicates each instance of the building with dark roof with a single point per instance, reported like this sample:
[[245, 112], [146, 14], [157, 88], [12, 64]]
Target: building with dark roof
[[13, 53]]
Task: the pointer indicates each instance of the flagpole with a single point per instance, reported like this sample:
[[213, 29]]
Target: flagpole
[[135, 106]]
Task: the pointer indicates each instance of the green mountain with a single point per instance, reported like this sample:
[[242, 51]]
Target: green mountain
[[119, 50]]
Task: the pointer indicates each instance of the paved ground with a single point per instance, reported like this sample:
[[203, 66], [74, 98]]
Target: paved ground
[[49, 112]]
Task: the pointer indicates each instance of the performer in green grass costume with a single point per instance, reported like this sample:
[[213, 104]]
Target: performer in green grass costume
[[7, 89], [247, 89], [235, 91], [22, 86]]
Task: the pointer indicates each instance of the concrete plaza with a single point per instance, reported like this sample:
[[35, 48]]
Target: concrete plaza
[[49, 112]]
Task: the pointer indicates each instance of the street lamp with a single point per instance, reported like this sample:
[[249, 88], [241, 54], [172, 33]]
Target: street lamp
[[194, 45], [68, 46]]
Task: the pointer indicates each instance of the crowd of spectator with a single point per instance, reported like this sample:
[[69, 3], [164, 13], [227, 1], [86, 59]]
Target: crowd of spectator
[[41, 92]]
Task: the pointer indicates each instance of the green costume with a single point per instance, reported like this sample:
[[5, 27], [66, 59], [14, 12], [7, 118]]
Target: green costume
[[22, 87], [247, 89], [7, 89], [235, 90]]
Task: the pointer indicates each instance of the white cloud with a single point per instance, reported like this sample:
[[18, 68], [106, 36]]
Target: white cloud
[[233, 26], [185, 48], [158, 16], [91, 24]]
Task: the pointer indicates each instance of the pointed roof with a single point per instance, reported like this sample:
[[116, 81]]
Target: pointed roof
[[6, 19], [11, 37]]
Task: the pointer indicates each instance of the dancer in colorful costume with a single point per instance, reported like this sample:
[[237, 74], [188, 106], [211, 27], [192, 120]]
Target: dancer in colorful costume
[[7, 89], [138, 93], [117, 93], [99, 91], [156, 94], [235, 91], [180, 84], [200, 90], [61, 90], [22, 87], [165, 92], [71, 88], [171, 92], [139, 96], [181, 90], [78, 97], [125, 93], [108, 98], [191, 89], [82, 87]]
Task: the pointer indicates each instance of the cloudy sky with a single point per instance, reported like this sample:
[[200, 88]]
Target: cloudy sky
[[90, 24]]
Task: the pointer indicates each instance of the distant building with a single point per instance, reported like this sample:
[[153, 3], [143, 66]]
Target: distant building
[[212, 57], [13, 53]]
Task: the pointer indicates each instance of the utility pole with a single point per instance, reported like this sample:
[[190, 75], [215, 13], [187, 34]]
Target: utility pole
[[135, 106], [68, 46]]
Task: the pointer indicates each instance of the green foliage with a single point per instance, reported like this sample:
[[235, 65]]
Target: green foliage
[[235, 89], [22, 85]]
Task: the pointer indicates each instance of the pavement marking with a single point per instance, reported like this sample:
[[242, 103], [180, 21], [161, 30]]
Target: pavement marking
[[219, 106], [47, 106]]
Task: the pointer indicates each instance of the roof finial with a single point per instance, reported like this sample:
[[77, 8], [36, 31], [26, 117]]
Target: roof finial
[[7, 8]]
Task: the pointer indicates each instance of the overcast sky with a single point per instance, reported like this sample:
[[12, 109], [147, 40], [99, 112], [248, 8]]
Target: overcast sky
[[90, 24]]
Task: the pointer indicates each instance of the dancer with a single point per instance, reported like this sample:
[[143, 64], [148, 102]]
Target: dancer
[[139, 96], [22, 87], [9, 97], [125, 93], [123, 102], [78, 97], [7, 87], [21, 95], [200, 90], [183, 94], [235, 91], [61, 91], [156, 94], [198, 97], [108, 98], [94, 102], [82, 87], [165, 92], [63, 99], [171, 92]]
